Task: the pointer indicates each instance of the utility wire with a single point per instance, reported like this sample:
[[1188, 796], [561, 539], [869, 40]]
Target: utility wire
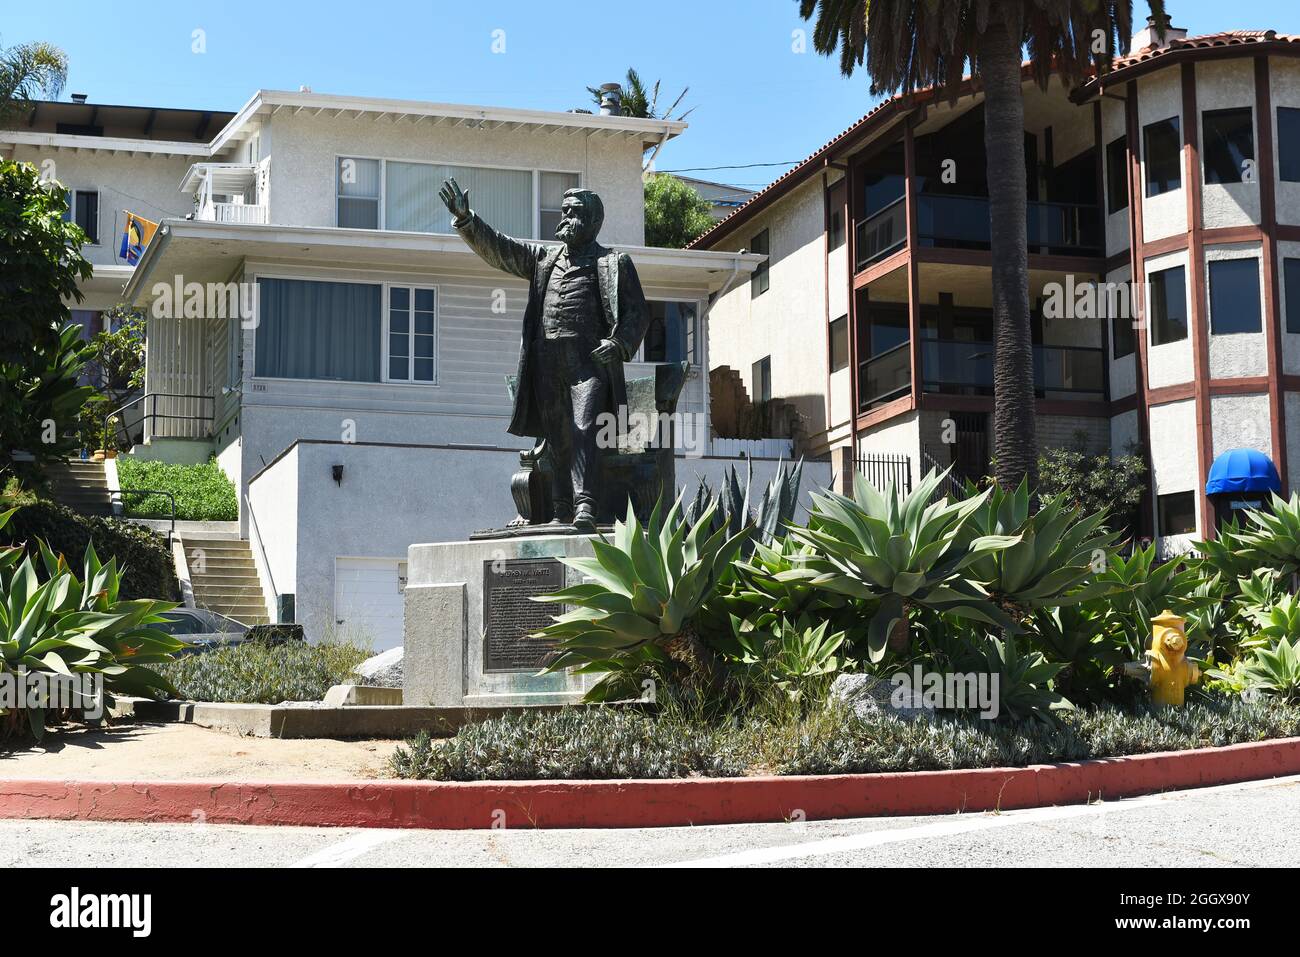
[[697, 169]]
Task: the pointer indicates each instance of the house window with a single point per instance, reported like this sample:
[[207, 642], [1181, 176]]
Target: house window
[[1291, 280], [1162, 154], [760, 281], [836, 236], [83, 209], [762, 379], [1177, 513], [1117, 175], [1234, 296], [1123, 341], [1168, 308], [552, 187], [358, 193], [1288, 144], [318, 330], [1229, 144], [412, 323], [671, 334], [840, 343]]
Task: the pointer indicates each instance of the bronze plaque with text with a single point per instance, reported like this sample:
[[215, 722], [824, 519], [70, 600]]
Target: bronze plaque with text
[[511, 615]]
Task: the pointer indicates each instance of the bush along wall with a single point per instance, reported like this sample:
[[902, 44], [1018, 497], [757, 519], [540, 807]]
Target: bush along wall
[[147, 567]]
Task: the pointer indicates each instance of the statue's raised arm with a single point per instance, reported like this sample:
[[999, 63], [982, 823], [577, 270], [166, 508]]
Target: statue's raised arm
[[496, 249]]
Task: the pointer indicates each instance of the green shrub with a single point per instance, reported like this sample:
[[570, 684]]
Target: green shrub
[[256, 672], [65, 625], [145, 562], [203, 492], [605, 743]]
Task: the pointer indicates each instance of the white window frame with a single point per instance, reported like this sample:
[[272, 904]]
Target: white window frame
[[695, 364], [383, 161], [410, 332]]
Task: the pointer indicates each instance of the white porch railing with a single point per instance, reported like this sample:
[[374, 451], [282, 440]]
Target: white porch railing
[[237, 213], [751, 448]]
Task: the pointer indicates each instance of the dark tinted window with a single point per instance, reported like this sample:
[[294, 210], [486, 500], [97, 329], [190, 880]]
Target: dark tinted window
[[1177, 513], [839, 343], [1291, 277], [762, 379], [1168, 307], [1229, 144], [1234, 296], [85, 213], [1162, 156], [1117, 175], [1123, 342], [1288, 144], [759, 281]]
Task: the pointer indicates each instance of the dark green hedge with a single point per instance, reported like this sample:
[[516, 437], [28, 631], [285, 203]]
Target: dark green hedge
[[150, 572]]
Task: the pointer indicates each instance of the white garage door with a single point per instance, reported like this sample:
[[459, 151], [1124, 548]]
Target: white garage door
[[368, 600]]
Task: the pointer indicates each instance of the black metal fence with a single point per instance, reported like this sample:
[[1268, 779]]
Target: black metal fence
[[882, 470]]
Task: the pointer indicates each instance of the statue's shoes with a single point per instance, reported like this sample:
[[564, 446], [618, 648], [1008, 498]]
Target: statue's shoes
[[585, 519]]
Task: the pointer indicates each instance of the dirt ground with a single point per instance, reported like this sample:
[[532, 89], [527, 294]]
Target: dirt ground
[[170, 752]]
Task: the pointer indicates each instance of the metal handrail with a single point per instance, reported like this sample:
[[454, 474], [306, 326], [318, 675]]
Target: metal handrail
[[255, 532], [171, 532], [155, 414]]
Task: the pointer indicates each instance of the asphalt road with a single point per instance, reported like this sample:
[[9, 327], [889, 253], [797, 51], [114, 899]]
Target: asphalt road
[[1249, 825]]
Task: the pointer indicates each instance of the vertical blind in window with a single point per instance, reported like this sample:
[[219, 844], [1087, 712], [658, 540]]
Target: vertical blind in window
[[318, 330], [552, 188], [358, 191], [503, 197]]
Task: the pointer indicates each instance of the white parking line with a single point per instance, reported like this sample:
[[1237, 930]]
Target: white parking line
[[963, 824], [335, 855]]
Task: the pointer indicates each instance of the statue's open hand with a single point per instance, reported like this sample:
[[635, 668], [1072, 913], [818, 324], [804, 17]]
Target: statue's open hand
[[456, 200], [607, 352]]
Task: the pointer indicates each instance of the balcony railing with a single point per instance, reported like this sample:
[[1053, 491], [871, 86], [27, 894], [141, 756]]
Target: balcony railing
[[962, 222], [951, 366], [237, 213], [882, 233], [884, 377]]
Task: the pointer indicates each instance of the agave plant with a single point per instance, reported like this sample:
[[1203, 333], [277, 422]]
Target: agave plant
[[66, 626], [776, 507], [1055, 560], [1274, 671], [1075, 637], [1142, 587], [647, 588], [1026, 680], [902, 550], [1271, 536], [787, 652]]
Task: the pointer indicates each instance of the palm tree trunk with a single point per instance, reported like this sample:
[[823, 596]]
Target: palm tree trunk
[[1015, 444]]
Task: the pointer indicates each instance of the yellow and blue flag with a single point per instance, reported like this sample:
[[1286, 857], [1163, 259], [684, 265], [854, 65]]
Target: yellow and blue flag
[[135, 238]]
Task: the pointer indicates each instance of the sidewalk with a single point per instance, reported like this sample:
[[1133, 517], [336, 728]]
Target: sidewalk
[[172, 752]]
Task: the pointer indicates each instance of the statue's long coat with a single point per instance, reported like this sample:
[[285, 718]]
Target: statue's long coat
[[625, 313]]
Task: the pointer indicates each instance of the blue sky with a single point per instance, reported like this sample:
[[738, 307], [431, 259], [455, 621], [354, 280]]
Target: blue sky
[[756, 101]]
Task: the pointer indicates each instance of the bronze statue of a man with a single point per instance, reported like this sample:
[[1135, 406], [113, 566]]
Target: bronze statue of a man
[[586, 316]]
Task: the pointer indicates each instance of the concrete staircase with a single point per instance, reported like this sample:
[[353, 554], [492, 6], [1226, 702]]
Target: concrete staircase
[[224, 578], [81, 486]]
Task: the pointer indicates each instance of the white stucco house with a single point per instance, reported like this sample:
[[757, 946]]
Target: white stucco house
[[345, 356]]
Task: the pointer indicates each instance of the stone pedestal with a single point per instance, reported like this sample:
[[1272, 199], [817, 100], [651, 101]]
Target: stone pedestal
[[467, 613]]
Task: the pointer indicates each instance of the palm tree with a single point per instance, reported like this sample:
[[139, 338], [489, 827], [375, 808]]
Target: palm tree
[[911, 44], [29, 71], [637, 101]]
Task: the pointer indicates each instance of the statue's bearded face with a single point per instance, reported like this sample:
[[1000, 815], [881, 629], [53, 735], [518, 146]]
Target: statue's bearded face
[[576, 229]]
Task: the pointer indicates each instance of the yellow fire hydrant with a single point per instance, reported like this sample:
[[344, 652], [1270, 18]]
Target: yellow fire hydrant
[[1171, 672]]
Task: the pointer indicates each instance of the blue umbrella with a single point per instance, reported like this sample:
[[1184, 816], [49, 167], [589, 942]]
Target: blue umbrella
[[1242, 470]]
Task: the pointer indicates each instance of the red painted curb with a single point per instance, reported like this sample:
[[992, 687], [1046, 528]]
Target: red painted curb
[[638, 803]]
